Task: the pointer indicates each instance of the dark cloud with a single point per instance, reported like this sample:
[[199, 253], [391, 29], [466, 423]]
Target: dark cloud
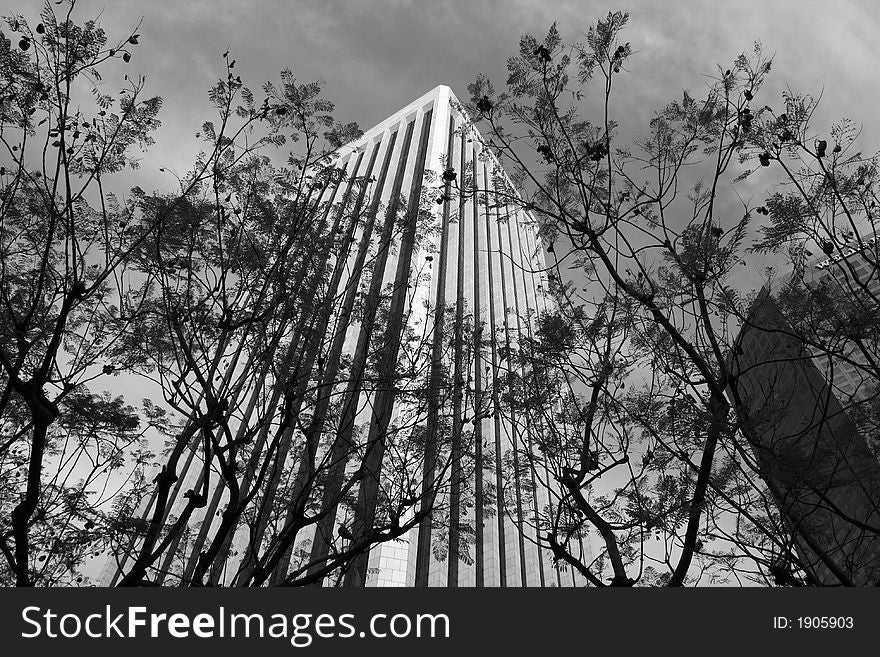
[[377, 55]]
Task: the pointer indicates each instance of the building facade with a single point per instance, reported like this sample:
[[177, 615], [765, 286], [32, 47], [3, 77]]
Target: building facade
[[445, 295], [483, 274], [795, 407]]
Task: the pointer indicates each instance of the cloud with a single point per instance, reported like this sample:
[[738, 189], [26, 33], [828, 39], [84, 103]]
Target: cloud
[[377, 56]]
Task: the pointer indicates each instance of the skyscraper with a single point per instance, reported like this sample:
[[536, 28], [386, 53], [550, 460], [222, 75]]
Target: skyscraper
[[442, 285], [484, 276], [795, 413]]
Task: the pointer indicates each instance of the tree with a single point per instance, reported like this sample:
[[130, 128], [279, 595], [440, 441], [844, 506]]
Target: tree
[[218, 295], [60, 290], [634, 389], [250, 304]]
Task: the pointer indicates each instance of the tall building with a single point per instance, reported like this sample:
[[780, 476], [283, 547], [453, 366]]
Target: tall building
[[485, 271], [796, 412], [447, 294]]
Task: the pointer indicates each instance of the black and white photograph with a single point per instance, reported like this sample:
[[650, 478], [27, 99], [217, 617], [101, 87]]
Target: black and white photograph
[[324, 294]]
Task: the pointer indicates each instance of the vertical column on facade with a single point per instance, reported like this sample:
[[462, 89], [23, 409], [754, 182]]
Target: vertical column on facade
[[532, 265], [495, 303], [532, 557], [583, 542], [540, 482], [538, 287], [343, 445], [515, 547], [383, 404], [448, 450], [452, 571], [489, 571], [464, 272], [424, 548], [585, 558], [426, 308], [539, 266], [471, 371], [461, 235]]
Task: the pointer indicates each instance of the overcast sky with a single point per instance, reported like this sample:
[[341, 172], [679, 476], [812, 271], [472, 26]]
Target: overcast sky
[[377, 55]]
